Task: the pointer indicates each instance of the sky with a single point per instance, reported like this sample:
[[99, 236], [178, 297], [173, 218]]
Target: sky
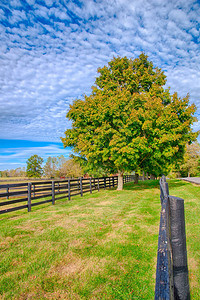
[[50, 51]]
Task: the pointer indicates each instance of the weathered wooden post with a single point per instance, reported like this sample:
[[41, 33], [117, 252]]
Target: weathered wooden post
[[69, 196], [164, 279], [104, 183], [81, 186], [90, 185], [98, 183], [143, 175], [94, 184], [179, 250], [53, 192], [29, 196]]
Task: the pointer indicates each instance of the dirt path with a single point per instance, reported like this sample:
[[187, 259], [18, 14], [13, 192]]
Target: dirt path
[[195, 180]]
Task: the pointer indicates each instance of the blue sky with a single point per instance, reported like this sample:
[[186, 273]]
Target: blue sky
[[50, 51]]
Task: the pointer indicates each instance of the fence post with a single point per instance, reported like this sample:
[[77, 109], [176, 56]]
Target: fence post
[[104, 183], [8, 192], [164, 275], [113, 182], [179, 250], [81, 186], [53, 192], [29, 196], [98, 183], [94, 185], [90, 185], [69, 197]]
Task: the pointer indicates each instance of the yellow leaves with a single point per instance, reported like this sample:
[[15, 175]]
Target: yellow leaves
[[147, 125]]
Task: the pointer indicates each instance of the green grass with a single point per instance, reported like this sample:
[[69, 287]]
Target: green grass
[[99, 246]]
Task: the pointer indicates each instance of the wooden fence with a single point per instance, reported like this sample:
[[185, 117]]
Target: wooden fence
[[172, 270], [35, 193]]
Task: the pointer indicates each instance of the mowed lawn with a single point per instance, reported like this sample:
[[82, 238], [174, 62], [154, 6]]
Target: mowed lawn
[[99, 246]]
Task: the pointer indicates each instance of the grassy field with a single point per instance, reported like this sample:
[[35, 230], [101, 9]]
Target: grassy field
[[99, 246], [8, 180]]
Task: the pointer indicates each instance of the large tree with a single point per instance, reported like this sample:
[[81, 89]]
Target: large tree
[[130, 122], [34, 166]]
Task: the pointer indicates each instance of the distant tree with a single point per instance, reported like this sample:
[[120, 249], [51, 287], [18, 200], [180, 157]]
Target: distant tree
[[191, 163], [34, 166], [71, 168], [130, 122], [51, 167], [61, 160], [61, 167], [5, 173], [86, 168], [18, 172]]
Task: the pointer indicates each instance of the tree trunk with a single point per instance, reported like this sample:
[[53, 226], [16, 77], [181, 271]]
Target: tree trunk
[[120, 181], [143, 176], [136, 178]]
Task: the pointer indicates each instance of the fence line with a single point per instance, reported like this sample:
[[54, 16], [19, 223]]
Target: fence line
[[172, 270], [51, 191]]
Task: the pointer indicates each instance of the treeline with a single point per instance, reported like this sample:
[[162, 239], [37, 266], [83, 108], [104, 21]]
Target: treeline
[[55, 167], [59, 166], [191, 162], [18, 172]]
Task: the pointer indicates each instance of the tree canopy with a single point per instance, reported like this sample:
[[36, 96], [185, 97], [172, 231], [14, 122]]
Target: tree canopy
[[130, 121], [34, 166]]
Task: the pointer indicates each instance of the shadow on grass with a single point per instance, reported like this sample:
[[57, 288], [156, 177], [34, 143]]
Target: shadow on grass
[[152, 184], [177, 183], [142, 185]]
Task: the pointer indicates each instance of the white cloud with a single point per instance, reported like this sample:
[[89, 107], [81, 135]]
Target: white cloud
[[11, 158], [49, 55]]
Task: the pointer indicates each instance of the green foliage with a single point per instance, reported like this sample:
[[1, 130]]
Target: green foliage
[[18, 172], [71, 168], [61, 167], [130, 122], [50, 168], [191, 163], [34, 166]]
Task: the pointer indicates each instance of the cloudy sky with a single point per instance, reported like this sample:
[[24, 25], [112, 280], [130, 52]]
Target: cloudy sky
[[50, 51]]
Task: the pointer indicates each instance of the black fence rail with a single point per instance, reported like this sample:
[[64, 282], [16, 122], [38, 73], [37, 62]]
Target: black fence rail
[[172, 270], [27, 195]]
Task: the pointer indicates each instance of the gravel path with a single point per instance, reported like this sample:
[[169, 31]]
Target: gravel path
[[195, 180]]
